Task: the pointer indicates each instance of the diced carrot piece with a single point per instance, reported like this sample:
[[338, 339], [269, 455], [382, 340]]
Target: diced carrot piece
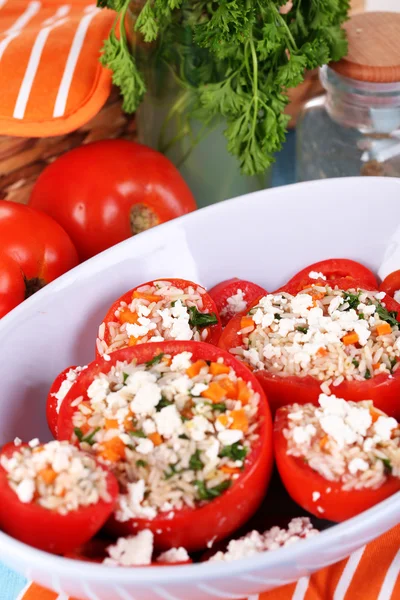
[[322, 351], [383, 329], [155, 438], [113, 450], [48, 475], [244, 393], [166, 360], [127, 316], [230, 470], [350, 338], [111, 424], [148, 297], [317, 295], [218, 368], [376, 366], [240, 420], [230, 387], [195, 368], [375, 413], [128, 423], [323, 442], [223, 419], [214, 392], [85, 428], [246, 322], [134, 340]]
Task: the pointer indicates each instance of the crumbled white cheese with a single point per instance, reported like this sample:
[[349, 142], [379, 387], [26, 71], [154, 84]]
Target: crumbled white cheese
[[304, 435], [130, 504], [181, 362], [141, 328], [174, 555], [26, 491], [131, 551], [230, 436], [384, 426], [198, 427], [33, 443], [358, 464], [146, 399], [145, 446], [17, 441], [316, 496], [381, 295], [168, 421], [316, 275], [197, 389], [236, 303]]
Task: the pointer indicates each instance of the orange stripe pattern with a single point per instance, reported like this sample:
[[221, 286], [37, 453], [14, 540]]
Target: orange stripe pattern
[[51, 81], [372, 573]]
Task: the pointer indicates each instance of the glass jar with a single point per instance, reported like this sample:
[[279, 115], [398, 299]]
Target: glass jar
[[165, 122], [353, 129]]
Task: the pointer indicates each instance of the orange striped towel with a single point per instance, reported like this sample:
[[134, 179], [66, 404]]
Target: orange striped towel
[[370, 573], [51, 81]]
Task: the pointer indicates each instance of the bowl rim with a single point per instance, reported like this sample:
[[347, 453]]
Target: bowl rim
[[354, 528]]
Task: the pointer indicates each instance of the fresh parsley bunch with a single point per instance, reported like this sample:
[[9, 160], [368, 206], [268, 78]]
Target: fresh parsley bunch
[[245, 55]]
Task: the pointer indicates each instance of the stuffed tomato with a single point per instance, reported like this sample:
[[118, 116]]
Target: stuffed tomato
[[186, 429], [54, 496], [338, 459], [330, 271], [391, 285], [233, 296], [163, 309], [340, 340], [59, 389]]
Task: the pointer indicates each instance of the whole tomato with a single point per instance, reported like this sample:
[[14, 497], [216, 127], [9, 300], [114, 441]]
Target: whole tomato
[[34, 250], [107, 191]]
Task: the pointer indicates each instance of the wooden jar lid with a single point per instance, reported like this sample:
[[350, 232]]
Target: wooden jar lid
[[374, 48]]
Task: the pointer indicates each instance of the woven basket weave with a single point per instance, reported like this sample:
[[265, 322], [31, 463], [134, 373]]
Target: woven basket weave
[[23, 159]]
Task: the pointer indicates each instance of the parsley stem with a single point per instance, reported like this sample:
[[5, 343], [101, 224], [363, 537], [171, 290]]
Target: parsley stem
[[285, 25], [255, 84]]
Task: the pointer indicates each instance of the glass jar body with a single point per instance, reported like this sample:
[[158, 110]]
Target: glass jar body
[[352, 130]]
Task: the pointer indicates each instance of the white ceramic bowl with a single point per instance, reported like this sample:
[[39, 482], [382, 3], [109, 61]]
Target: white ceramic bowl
[[265, 237]]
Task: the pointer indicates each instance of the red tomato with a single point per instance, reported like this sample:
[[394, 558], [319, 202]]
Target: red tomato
[[209, 306], [190, 528], [301, 481], [52, 402], [383, 389], [391, 284], [333, 269], [46, 529], [34, 250], [107, 191], [225, 289]]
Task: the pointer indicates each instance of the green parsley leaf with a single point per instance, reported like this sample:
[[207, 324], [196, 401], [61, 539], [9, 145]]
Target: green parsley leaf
[[355, 362], [183, 436], [367, 374], [221, 406], [393, 363], [206, 493], [137, 433], [155, 360], [141, 463], [79, 433], [277, 317], [235, 451], [173, 471], [302, 329], [163, 403], [353, 300], [387, 463], [385, 315], [200, 320], [125, 377], [195, 462]]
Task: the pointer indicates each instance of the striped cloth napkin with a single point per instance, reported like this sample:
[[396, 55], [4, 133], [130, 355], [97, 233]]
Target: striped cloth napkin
[[370, 573], [51, 81]]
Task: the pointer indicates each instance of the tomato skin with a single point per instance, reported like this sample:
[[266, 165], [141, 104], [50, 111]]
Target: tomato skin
[[225, 289], [51, 403], [12, 285], [333, 269], [214, 332], [383, 389], [190, 528], [49, 530], [301, 481], [91, 190], [391, 284]]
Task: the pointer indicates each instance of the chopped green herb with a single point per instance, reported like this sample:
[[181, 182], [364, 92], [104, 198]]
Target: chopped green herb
[[367, 374], [137, 433], [155, 360], [173, 303], [277, 317], [141, 463], [353, 300], [355, 362], [183, 436], [79, 433], [125, 376], [221, 406], [302, 329], [206, 493], [235, 451], [387, 463], [361, 316], [184, 419], [195, 462], [393, 363], [199, 320], [89, 439], [388, 316], [163, 403], [173, 471]]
